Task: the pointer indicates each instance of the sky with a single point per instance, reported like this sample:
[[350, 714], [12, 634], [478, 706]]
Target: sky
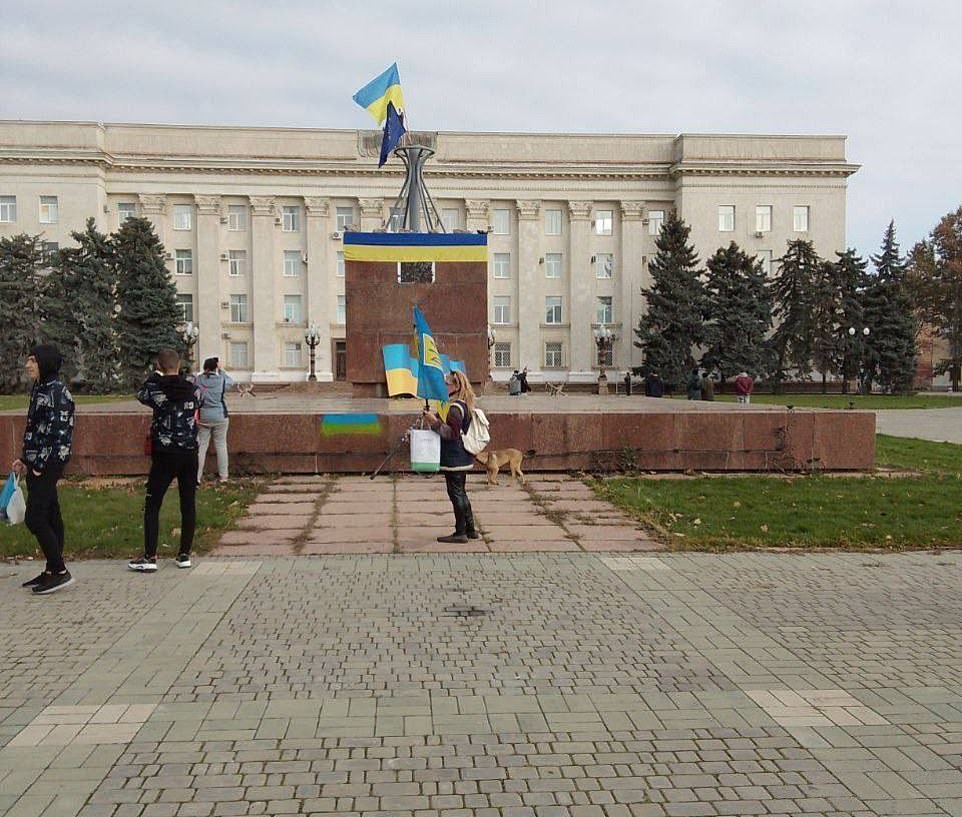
[[885, 74]]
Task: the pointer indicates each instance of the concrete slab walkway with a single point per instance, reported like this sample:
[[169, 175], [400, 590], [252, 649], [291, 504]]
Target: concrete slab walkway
[[407, 513]]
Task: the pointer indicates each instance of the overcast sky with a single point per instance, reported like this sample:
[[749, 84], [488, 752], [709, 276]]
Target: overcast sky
[[886, 74]]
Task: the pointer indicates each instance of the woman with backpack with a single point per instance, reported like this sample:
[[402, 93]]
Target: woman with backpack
[[213, 417], [456, 461]]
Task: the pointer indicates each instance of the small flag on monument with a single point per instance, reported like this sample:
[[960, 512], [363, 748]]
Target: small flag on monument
[[393, 131]]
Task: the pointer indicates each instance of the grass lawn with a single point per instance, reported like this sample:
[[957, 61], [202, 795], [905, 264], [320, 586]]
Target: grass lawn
[[717, 513], [21, 401], [107, 522], [871, 402]]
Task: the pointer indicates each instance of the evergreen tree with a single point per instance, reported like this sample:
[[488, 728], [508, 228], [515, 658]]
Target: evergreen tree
[[674, 322], [62, 325], [794, 295], [739, 314], [848, 281], [935, 278], [148, 316], [891, 348], [21, 305]]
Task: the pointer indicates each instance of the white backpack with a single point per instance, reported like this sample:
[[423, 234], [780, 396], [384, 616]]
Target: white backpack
[[478, 435]]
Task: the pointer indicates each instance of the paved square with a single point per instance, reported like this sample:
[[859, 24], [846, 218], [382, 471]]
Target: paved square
[[576, 683]]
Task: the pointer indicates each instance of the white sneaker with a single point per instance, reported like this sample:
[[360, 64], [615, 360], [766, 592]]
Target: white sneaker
[[143, 565], [182, 560]]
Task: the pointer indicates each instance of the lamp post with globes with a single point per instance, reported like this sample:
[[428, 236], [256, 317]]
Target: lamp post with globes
[[858, 338], [312, 337], [189, 336], [604, 340]]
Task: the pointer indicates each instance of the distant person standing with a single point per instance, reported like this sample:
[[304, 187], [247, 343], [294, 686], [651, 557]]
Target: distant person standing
[[47, 439], [694, 384], [523, 379], [173, 437], [707, 388], [654, 385], [213, 419], [743, 388]]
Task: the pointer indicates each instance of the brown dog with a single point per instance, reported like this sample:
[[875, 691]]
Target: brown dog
[[493, 460]]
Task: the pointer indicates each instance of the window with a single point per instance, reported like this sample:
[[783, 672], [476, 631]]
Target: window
[[292, 263], [184, 262], [237, 217], [603, 222], [552, 222], [345, 218], [49, 210], [340, 265], [552, 309], [183, 216], [765, 259], [238, 354], [185, 302], [552, 356], [290, 218], [451, 219], [502, 264], [237, 260], [8, 209], [799, 219], [502, 309], [552, 265], [292, 354], [292, 309], [656, 220], [603, 311], [126, 210], [726, 218], [763, 218], [415, 272], [238, 308], [502, 355], [341, 315], [604, 264], [502, 222]]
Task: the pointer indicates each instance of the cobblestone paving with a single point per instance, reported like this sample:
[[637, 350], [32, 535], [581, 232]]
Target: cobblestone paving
[[521, 685]]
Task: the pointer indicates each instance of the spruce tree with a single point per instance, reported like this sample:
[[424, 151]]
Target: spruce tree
[[21, 305], [794, 294], [739, 314], [674, 322], [146, 295], [891, 349], [849, 282]]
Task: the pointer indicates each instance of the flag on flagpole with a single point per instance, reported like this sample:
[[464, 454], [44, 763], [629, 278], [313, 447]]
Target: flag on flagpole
[[375, 96], [431, 385], [393, 131]]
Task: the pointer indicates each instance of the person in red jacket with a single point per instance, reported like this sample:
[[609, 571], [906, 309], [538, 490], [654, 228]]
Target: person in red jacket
[[743, 388]]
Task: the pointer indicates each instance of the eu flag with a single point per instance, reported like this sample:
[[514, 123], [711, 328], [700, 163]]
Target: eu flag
[[431, 385], [393, 131]]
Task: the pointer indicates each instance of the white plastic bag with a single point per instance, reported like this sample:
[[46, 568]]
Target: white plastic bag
[[425, 450], [17, 506]]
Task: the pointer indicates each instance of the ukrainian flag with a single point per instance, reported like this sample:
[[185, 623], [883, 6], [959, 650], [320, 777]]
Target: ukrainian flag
[[438, 247], [379, 91], [400, 370]]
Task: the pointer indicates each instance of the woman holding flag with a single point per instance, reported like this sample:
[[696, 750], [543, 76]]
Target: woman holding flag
[[455, 459]]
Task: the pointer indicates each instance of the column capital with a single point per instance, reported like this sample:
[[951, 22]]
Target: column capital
[[208, 205], [579, 210], [262, 205], [528, 208], [152, 204], [317, 206], [371, 208], [476, 208], [632, 210]]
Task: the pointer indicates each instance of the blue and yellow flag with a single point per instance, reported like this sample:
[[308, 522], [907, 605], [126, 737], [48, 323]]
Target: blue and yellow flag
[[393, 131], [375, 96], [431, 385]]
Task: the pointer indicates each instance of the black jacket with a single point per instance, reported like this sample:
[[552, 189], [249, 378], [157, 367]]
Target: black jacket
[[174, 400], [49, 432]]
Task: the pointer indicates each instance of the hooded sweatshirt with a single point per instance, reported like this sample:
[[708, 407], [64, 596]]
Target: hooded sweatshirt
[[174, 400], [49, 432]]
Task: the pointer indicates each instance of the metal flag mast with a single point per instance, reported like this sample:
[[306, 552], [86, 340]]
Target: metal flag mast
[[415, 210]]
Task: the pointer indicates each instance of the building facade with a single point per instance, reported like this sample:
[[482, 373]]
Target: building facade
[[252, 220]]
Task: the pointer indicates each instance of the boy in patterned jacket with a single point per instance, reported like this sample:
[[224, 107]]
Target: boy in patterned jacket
[[173, 436], [46, 450]]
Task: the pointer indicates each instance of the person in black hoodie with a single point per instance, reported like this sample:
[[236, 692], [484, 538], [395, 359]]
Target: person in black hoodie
[[173, 437], [46, 450]]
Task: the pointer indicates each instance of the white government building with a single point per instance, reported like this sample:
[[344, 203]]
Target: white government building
[[252, 220]]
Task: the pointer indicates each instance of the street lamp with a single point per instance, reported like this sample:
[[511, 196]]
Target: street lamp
[[312, 338], [859, 344], [189, 337], [604, 340]]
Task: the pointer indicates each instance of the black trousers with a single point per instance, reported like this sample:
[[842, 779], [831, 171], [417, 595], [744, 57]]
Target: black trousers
[[165, 466], [463, 514], [43, 517]]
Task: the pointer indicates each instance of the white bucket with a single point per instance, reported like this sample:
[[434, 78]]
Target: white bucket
[[425, 451]]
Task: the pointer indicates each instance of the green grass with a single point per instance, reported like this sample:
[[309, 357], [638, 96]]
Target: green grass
[[9, 402], [871, 402], [107, 522], [732, 512]]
